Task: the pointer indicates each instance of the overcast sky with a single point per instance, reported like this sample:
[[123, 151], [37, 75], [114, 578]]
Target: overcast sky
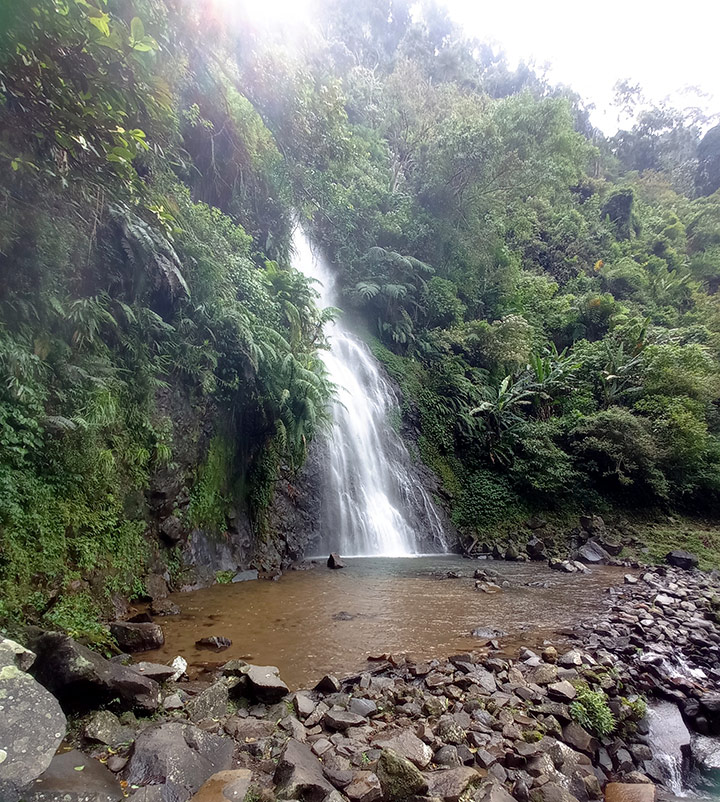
[[664, 46]]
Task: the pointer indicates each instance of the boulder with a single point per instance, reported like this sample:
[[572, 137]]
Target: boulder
[[225, 786], [178, 755], [334, 561], [81, 679], [265, 683], [705, 752], [171, 529], [328, 684], [591, 553], [210, 703], [74, 777], [363, 707], [365, 787], [342, 719], [407, 745], [104, 727], [561, 691], [156, 671], [246, 576], [682, 559], [137, 637], [32, 724], [579, 738], [156, 587], [299, 774], [450, 784], [399, 778], [536, 549]]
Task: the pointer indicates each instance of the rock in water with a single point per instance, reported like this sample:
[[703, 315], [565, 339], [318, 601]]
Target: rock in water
[[137, 637], [32, 725], [230, 786], [682, 559], [82, 679], [334, 561], [74, 777], [180, 755], [217, 642]]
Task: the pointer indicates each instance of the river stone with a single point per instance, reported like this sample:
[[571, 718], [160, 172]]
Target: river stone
[[137, 637], [592, 553], [82, 679], [156, 671], [399, 777], [705, 753], [493, 792], [579, 738], [447, 756], [363, 707], [334, 561], [179, 755], [74, 777], [210, 703], [216, 642], [365, 787], [104, 727], [406, 744], [561, 691], [328, 684], [342, 720], [162, 607], [246, 576], [32, 724], [299, 774], [156, 587], [225, 786], [682, 559], [265, 683], [450, 784]]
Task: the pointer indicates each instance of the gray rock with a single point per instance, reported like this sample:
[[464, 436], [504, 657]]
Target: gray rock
[[447, 756], [137, 637], [265, 683], [162, 607], [363, 707], [328, 684], [365, 787], [245, 576], [210, 703], [299, 774], [82, 679], [450, 784], [579, 738], [13, 654], [179, 755], [173, 702], [156, 587], [74, 777], [342, 720], [104, 727], [217, 643], [399, 777], [682, 559], [32, 725], [407, 744], [592, 553], [304, 705], [156, 671], [561, 691]]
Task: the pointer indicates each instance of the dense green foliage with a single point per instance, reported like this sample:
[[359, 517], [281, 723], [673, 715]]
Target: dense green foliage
[[149, 322], [545, 297]]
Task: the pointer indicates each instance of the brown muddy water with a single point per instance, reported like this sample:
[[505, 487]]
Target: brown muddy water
[[309, 623]]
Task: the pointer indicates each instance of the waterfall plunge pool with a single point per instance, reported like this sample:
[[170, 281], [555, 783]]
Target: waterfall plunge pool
[[319, 621]]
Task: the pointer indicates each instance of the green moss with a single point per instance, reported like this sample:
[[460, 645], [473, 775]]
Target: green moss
[[224, 577], [655, 541], [209, 497]]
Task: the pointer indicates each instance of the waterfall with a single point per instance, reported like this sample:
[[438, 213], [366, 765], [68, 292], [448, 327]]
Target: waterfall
[[373, 503]]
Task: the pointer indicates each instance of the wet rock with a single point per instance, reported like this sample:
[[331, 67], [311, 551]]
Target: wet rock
[[488, 633], [343, 616], [137, 637], [705, 752], [630, 579], [549, 654], [399, 778], [171, 530], [104, 727], [179, 755], [210, 703], [488, 587], [299, 774], [32, 724], [579, 738], [363, 707], [161, 607], [629, 792], [407, 745], [225, 786], [334, 561], [342, 720], [265, 683], [74, 777], [82, 679], [450, 784], [245, 576], [536, 549], [553, 792], [365, 787], [682, 559], [304, 705], [216, 642]]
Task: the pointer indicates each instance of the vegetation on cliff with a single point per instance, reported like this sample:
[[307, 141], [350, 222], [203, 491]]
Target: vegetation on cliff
[[545, 297]]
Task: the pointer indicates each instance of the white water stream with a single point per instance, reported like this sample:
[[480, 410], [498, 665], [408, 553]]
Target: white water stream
[[373, 504]]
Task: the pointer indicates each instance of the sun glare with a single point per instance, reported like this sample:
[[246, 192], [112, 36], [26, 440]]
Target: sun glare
[[284, 14]]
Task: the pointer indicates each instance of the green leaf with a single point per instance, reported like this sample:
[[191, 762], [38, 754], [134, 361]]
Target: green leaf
[[137, 29], [101, 23]]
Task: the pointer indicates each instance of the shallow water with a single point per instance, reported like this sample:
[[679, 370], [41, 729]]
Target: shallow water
[[393, 605]]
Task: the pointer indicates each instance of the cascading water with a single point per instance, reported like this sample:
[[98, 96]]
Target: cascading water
[[372, 503]]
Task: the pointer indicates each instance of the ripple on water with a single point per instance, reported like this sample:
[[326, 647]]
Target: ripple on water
[[310, 623]]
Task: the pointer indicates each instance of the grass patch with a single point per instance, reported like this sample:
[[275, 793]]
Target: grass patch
[[655, 540]]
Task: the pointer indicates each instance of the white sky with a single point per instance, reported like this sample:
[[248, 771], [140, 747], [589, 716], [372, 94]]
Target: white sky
[[664, 46]]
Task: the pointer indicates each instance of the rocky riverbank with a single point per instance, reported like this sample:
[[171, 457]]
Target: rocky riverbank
[[560, 725]]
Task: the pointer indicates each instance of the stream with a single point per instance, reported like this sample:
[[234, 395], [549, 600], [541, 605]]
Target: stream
[[309, 623]]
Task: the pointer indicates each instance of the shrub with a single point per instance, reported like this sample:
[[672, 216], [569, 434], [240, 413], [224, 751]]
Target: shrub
[[590, 710]]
